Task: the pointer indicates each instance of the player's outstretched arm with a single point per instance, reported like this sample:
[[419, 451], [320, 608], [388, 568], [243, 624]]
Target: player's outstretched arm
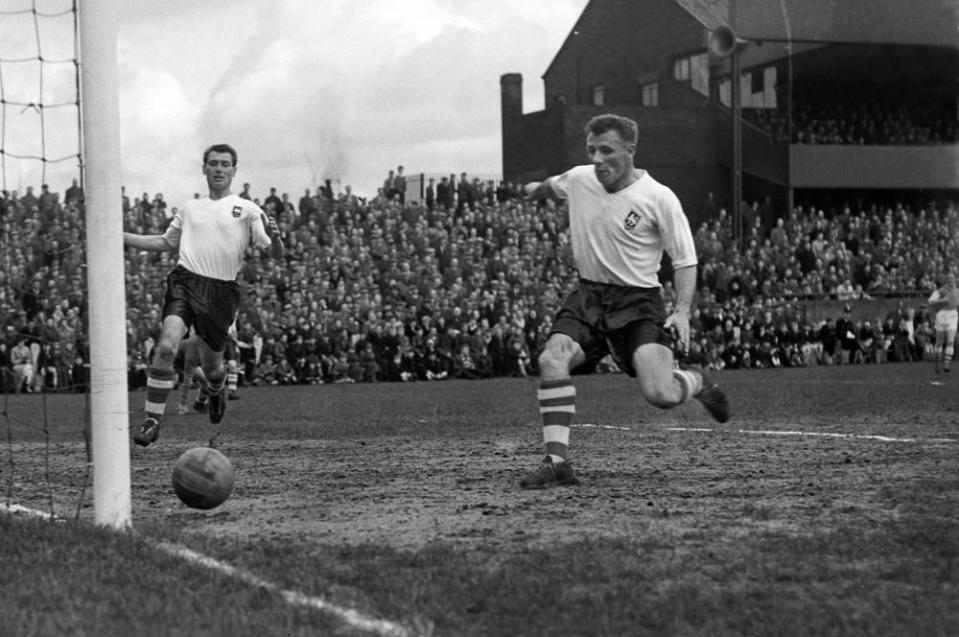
[[937, 300], [277, 248], [685, 283], [539, 190], [151, 242]]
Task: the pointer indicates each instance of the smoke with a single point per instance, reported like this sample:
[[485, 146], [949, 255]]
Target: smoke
[[342, 90]]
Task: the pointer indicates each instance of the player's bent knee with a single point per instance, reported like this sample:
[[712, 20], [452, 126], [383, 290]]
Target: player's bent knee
[[554, 361], [662, 397], [164, 353]]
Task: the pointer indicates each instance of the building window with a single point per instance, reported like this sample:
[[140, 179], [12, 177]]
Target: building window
[[726, 92], [650, 94], [699, 73], [695, 70], [757, 89], [599, 95]]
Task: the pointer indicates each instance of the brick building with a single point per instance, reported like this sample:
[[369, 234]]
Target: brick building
[[651, 60]]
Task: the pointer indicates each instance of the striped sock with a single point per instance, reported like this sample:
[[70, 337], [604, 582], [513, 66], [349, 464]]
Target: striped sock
[[159, 384], [557, 406], [216, 386], [231, 376], [690, 383]]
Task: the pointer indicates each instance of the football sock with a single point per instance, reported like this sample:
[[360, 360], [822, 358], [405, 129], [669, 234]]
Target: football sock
[[231, 376], [557, 406], [185, 386], [690, 383], [159, 384], [204, 394], [215, 387]]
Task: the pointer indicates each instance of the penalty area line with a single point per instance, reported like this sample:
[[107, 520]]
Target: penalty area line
[[816, 434]]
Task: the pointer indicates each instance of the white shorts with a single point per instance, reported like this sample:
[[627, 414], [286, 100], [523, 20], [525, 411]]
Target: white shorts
[[946, 320]]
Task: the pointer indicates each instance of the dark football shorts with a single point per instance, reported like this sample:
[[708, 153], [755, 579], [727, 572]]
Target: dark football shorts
[[209, 305], [612, 319]]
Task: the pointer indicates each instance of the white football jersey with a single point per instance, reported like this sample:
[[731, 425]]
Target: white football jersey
[[947, 296], [213, 235], [619, 237], [947, 314]]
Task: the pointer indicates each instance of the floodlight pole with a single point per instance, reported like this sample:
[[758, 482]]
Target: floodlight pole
[[109, 400], [737, 115]]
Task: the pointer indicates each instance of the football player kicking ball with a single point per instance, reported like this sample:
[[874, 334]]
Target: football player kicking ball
[[212, 235], [621, 220]]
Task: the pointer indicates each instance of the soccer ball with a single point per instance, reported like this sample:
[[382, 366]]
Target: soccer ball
[[203, 478]]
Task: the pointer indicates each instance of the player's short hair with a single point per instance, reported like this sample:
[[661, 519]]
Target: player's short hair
[[627, 128], [219, 148]]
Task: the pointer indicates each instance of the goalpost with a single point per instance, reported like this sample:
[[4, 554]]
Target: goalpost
[[109, 400]]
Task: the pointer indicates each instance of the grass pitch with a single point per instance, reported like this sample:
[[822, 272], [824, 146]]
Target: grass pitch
[[826, 506]]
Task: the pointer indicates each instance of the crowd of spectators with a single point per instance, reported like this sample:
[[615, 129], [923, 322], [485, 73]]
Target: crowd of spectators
[[863, 122], [753, 308], [376, 290]]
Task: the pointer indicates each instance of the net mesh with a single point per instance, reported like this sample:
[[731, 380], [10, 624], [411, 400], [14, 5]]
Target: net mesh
[[42, 278], [39, 94]]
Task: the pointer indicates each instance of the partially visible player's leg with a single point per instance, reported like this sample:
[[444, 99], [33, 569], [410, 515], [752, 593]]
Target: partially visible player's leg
[[939, 348], [660, 383], [665, 386], [187, 364], [186, 384], [948, 347], [202, 401], [230, 355], [214, 369]]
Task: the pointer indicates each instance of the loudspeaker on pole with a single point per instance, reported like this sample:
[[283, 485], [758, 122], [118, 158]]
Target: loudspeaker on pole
[[723, 41]]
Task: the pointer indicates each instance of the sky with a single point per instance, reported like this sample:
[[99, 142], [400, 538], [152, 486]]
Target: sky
[[305, 90]]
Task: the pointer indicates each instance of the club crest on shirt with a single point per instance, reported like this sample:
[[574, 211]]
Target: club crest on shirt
[[631, 220], [237, 211]]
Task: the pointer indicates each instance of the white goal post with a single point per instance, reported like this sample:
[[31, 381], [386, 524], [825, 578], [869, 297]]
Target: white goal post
[[109, 398]]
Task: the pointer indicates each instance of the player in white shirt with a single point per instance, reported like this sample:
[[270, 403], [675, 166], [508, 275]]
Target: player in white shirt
[[211, 235], [621, 221], [945, 302]]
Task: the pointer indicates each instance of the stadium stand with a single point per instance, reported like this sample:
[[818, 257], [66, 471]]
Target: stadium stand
[[864, 122], [374, 290]]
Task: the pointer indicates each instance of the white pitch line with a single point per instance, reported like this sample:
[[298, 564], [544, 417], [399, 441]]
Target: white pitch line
[[820, 434], [592, 426], [18, 509], [348, 615]]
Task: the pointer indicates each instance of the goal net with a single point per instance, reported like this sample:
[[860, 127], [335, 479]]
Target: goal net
[[57, 329], [39, 96]]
